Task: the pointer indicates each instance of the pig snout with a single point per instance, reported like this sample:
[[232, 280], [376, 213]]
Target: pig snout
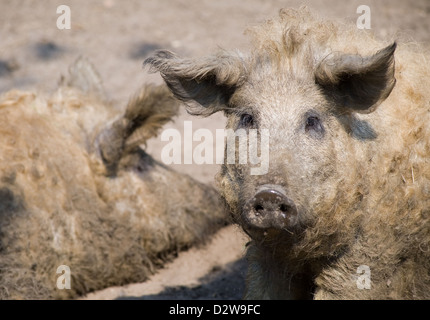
[[270, 208]]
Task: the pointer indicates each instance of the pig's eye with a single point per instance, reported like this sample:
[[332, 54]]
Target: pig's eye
[[314, 126], [246, 120]]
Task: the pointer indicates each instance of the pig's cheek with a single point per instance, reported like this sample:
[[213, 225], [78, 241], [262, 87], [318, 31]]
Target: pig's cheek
[[228, 188]]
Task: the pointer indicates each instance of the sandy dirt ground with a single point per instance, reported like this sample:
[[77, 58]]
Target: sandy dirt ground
[[117, 36]]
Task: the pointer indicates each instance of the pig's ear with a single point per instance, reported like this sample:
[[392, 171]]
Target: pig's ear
[[204, 85], [358, 83]]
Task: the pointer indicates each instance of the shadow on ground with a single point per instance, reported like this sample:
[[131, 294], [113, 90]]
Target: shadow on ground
[[227, 283]]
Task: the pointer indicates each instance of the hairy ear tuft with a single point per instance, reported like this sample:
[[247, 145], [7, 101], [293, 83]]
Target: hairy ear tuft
[[205, 85], [358, 83]]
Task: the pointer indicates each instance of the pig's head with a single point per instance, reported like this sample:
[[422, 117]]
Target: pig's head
[[308, 100]]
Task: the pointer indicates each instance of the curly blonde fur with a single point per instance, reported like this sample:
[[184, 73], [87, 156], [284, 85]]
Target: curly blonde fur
[[58, 206]]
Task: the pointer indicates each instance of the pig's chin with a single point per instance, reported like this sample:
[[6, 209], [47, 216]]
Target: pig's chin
[[257, 229], [278, 221]]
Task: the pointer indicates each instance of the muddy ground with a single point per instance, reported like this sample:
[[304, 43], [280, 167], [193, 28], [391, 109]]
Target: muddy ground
[[117, 36]]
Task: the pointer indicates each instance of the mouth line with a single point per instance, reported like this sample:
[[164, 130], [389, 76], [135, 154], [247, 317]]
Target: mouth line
[[270, 218], [287, 229], [266, 235], [290, 232]]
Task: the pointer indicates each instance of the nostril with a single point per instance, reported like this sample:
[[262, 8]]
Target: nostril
[[268, 203], [258, 207], [283, 207]]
